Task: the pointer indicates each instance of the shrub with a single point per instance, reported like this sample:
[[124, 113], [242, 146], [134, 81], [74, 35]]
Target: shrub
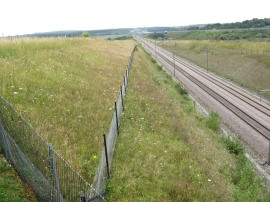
[[213, 121], [85, 34], [181, 89]]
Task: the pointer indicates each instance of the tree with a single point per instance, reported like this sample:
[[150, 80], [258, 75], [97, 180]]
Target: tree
[[85, 34]]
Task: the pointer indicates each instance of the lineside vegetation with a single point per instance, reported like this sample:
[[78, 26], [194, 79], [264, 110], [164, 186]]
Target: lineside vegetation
[[167, 151]]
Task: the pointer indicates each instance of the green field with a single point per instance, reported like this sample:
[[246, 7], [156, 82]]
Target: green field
[[66, 88], [167, 151], [243, 62]]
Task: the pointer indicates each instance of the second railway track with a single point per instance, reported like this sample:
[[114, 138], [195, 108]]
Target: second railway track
[[247, 118]]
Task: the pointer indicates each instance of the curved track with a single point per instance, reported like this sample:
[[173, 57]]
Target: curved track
[[192, 73]]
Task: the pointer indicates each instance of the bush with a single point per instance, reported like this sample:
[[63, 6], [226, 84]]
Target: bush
[[181, 89], [234, 146], [213, 121], [85, 34]]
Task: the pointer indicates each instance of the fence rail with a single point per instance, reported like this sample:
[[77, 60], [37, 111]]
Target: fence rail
[[47, 172]]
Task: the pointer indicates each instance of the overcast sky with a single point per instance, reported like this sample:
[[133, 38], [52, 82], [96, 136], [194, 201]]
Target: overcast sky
[[30, 16]]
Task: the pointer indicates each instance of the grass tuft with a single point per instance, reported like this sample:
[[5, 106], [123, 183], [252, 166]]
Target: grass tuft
[[213, 121], [181, 89]]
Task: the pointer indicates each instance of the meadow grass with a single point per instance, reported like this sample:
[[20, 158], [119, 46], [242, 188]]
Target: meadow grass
[[66, 88], [11, 186], [166, 151], [243, 62]]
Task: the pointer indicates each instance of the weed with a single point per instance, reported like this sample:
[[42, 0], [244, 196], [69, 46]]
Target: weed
[[213, 121], [234, 146], [181, 89], [248, 186], [154, 60], [159, 67]]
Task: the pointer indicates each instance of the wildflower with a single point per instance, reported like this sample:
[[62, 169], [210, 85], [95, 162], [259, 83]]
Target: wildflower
[[94, 156], [15, 93], [209, 180]]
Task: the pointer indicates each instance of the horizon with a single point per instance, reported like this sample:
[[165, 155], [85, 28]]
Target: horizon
[[30, 16], [81, 30]]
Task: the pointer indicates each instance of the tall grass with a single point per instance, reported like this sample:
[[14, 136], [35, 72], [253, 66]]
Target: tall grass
[[11, 186], [166, 151], [244, 62], [66, 88]]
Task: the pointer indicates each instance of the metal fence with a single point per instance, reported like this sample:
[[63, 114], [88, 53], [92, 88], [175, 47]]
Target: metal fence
[[107, 154], [51, 177], [38, 164]]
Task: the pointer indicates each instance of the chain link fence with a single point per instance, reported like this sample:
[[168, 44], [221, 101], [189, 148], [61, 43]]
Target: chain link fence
[[38, 164], [107, 154], [51, 177]]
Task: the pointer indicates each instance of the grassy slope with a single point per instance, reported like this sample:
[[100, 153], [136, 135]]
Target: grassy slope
[[11, 187], [165, 151], [66, 89], [225, 59]]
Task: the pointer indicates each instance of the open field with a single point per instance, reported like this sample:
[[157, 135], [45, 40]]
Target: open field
[[66, 88], [167, 151], [245, 63]]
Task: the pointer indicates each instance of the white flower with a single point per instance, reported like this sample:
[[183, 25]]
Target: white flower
[[15, 93], [209, 180]]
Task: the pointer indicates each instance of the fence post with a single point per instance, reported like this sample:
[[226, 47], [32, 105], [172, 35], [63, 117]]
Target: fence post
[[126, 77], [83, 198], [116, 116], [125, 85], [106, 154], [268, 163], [121, 92], [54, 173]]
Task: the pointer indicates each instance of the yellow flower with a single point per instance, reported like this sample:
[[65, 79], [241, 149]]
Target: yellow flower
[[94, 156]]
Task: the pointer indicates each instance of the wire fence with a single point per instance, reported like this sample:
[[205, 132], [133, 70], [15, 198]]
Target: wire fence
[[37, 163], [51, 177], [107, 154]]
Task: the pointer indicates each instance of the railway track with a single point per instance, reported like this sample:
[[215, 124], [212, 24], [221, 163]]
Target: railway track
[[189, 71]]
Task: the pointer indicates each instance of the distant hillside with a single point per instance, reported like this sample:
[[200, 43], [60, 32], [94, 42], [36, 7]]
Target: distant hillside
[[247, 24], [73, 33], [254, 23]]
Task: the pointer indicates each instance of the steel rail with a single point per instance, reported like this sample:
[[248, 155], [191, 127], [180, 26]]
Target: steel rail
[[256, 125], [265, 110]]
